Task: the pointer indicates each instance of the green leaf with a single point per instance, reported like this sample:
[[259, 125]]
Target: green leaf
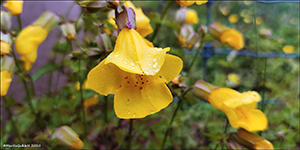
[[25, 121], [10, 101], [45, 69], [154, 17], [78, 127]]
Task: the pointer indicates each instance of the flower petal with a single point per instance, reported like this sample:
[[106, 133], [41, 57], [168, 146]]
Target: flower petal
[[30, 38], [28, 60], [5, 78], [244, 98], [105, 78], [232, 38], [133, 55], [170, 69], [142, 23], [147, 99], [251, 120]]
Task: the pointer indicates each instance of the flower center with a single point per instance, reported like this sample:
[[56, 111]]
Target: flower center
[[136, 81]]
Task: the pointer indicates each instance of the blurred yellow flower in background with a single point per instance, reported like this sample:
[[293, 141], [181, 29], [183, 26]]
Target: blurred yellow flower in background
[[69, 137], [288, 49], [14, 6], [5, 48], [239, 108], [233, 18], [6, 78], [232, 38], [234, 78], [259, 20], [191, 16], [136, 74], [184, 3]]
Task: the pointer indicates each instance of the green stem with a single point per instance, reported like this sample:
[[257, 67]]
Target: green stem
[[158, 25], [19, 22], [226, 126], [194, 58], [12, 121], [262, 104], [82, 100], [130, 134], [78, 19], [170, 123], [106, 109], [32, 85]]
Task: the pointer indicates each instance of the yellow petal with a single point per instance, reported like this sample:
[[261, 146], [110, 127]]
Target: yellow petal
[[233, 18], [77, 144], [251, 119], [144, 97], [263, 144], [30, 38], [232, 38], [201, 2], [28, 60], [5, 48], [5, 82], [91, 101], [288, 49], [191, 16], [259, 20], [105, 79], [130, 4], [170, 69], [150, 44], [142, 23], [133, 55], [184, 3], [15, 7]]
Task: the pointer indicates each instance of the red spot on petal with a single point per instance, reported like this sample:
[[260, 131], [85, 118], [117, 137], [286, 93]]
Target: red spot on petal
[[137, 82], [147, 80], [141, 88], [142, 82], [128, 82], [141, 78], [126, 78], [134, 85]]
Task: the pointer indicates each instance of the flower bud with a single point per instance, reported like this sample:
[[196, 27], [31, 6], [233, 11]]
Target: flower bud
[[216, 29], [5, 43], [179, 81], [66, 135], [7, 63], [202, 89], [184, 32], [288, 49], [191, 41], [191, 16], [264, 33], [233, 79], [15, 7], [233, 38], [5, 21], [48, 20], [104, 43], [95, 6], [252, 140], [126, 18], [181, 15], [68, 30]]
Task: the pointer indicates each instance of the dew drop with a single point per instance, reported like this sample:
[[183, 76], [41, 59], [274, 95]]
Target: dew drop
[[117, 55], [154, 59], [156, 70], [152, 112], [128, 112], [155, 65], [134, 114], [125, 61], [132, 64]]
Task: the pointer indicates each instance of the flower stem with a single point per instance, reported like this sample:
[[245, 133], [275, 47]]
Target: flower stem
[[19, 22], [158, 25], [170, 123], [130, 134], [82, 100], [106, 109], [194, 58], [262, 104], [226, 126], [12, 121]]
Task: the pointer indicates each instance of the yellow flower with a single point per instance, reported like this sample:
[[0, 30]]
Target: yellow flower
[[232, 77], [91, 101], [28, 60], [264, 144], [27, 44], [5, 82], [30, 38], [232, 38], [184, 3], [136, 74], [233, 18], [5, 48], [288, 49], [142, 21], [14, 6], [259, 20], [239, 108], [191, 16]]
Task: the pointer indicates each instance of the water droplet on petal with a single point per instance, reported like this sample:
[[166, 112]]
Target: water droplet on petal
[[125, 61], [132, 64], [134, 114], [154, 59], [155, 65]]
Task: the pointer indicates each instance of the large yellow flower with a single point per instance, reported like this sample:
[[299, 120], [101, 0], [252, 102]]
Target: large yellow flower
[[136, 74], [14, 6], [184, 3], [232, 38], [239, 108], [27, 43], [5, 82]]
